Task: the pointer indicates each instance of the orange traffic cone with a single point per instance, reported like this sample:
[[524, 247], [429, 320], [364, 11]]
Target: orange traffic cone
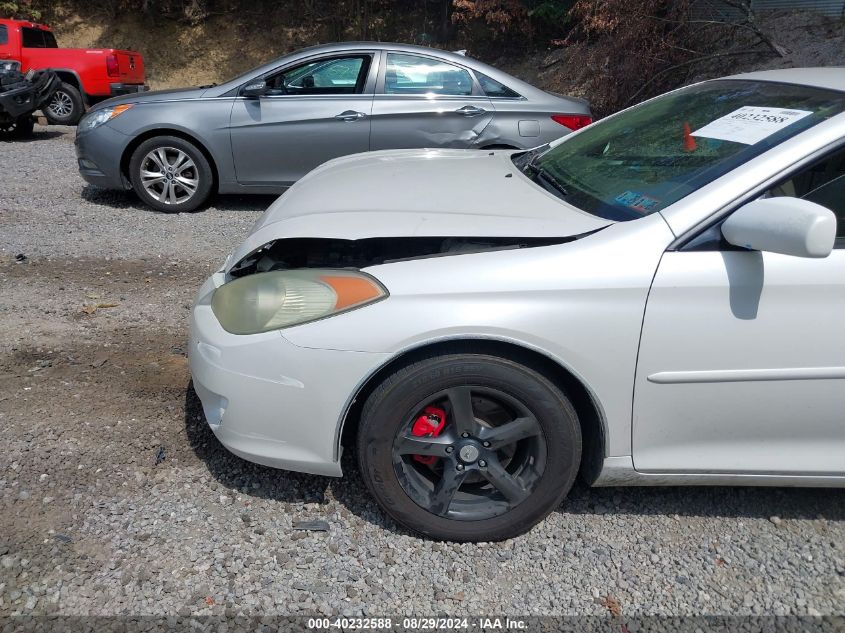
[[689, 139]]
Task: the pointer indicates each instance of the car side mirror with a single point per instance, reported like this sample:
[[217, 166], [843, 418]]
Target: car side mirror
[[789, 226], [254, 90]]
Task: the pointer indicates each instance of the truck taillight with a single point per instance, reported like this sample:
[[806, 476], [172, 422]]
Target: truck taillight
[[572, 121], [112, 66]]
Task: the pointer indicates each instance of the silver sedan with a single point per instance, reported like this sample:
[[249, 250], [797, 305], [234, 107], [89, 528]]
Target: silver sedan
[[262, 131], [655, 299]]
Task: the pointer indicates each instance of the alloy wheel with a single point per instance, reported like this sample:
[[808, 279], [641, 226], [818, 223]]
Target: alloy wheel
[[169, 175], [469, 453], [61, 104]]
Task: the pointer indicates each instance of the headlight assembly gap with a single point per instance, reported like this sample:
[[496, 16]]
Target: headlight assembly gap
[[278, 299]]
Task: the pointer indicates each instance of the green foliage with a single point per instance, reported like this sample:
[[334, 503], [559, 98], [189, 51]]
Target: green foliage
[[549, 18], [19, 11], [552, 12]]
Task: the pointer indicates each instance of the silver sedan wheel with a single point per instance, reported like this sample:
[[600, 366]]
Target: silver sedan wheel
[[61, 105], [169, 175]]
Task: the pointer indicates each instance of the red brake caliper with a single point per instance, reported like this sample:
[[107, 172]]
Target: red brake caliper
[[429, 424]]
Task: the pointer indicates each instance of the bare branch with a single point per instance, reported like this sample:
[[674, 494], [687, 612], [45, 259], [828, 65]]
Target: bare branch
[[689, 62]]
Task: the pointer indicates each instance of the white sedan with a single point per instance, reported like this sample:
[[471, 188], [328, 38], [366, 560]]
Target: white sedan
[[656, 299]]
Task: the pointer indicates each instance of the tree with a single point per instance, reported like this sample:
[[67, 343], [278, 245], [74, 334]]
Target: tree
[[630, 50], [501, 15]]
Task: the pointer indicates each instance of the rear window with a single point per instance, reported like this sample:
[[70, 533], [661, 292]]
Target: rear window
[[493, 88], [4, 34], [36, 38]]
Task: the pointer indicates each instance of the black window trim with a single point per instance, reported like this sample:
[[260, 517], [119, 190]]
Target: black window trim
[[681, 242], [518, 96], [49, 39]]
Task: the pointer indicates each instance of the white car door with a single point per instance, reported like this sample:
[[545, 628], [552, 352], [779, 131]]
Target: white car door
[[742, 358]]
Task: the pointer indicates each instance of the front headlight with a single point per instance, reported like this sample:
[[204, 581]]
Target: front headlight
[[282, 298], [98, 117]]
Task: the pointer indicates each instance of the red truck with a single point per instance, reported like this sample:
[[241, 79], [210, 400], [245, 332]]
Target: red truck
[[88, 75]]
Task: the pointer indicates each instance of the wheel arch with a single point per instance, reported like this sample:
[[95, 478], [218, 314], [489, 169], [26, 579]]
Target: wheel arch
[[70, 77], [587, 406], [126, 157]]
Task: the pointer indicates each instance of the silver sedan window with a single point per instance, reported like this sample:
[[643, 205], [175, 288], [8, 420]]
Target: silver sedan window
[[417, 75]]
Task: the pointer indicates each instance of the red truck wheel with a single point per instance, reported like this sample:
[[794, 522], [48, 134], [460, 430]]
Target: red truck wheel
[[65, 107]]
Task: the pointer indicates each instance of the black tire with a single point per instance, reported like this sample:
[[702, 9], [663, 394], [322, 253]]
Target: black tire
[[24, 127], [198, 171], [65, 107], [20, 129], [478, 510]]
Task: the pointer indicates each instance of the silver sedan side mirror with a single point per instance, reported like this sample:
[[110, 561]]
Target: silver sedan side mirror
[[255, 89], [789, 226]]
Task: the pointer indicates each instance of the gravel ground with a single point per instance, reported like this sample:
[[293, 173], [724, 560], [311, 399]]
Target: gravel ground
[[115, 498]]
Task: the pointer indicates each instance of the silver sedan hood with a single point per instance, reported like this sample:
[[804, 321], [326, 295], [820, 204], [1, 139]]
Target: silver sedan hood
[[153, 96], [417, 193]]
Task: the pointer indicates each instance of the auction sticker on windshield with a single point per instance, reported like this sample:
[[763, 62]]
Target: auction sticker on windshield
[[750, 124]]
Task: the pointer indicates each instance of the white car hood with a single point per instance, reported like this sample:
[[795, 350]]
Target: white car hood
[[417, 193]]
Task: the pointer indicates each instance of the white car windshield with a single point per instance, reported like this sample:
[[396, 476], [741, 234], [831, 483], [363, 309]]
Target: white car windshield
[[652, 155]]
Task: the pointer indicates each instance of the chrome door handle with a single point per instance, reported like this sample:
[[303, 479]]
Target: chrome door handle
[[350, 115], [470, 111]]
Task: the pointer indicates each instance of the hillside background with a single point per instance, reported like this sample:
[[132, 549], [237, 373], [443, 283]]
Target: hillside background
[[613, 52]]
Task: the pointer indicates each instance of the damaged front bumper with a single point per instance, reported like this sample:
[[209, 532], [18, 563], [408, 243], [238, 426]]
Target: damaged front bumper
[[268, 400], [33, 91]]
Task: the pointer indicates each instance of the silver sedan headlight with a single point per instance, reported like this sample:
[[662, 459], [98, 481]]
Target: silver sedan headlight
[[278, 299], [98, 117]]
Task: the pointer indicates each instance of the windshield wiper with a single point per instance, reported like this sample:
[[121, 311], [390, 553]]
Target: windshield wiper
[[549, 183], [529, 158], [538, 174], [544, 179]]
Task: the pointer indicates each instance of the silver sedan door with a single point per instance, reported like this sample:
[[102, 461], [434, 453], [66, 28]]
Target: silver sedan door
[[742, 360], [422, 101], [317, 110]]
